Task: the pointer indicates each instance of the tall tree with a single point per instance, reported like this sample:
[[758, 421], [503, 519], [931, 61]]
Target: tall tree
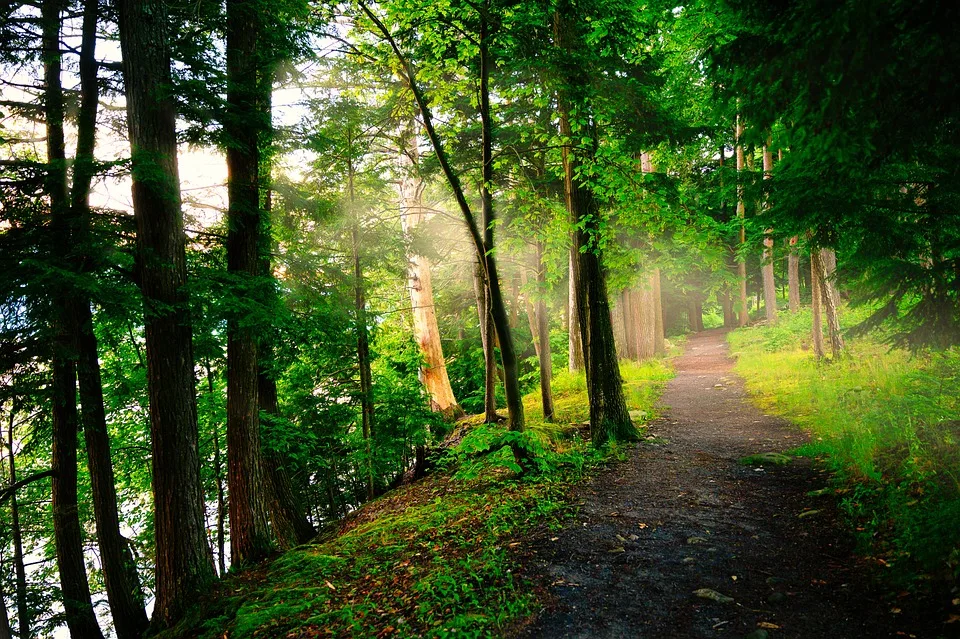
[[67, 532], [609, 417], [184, 563], [744, 316], [120, 577], [769, 285], [420, 280], [245, 123]]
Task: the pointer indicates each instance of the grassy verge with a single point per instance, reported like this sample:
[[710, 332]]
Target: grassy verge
[[888, 421], [434, 559]]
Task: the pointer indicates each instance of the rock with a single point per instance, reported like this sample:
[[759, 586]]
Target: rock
[[766, 459], [776, 597], [760, 633], [689, 560], [713, 595]]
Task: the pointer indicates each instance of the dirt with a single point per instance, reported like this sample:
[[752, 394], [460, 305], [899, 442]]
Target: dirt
[[683, 514]]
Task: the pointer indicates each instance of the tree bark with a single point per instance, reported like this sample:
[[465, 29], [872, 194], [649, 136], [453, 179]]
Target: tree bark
[[646, 314], [120, 577], [67, 531], [184, 564], [543, 336], [245, 125], [659, 335], [481, 234], [769, 285], [487, 342], [793, 277], [816, 289], [609, 417], [433, 372], [618, 321], [830, 301], [24, 612], [575, 352], [744, 315]]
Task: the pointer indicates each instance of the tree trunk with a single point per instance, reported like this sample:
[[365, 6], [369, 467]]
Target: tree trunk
[[646, 314], [630, 324], [363, 351], [726, 303], [120, 577], [793, 277], [618, 321], [609, 417], [184, 564], [426, 331], [659, 336], [290, 525], [543, 336], [481, 234], [497, 308], [744, 315], [769, 285], [487, 341], [24, 612], [830, 302], [218, 480], [575, 353], [67, 531], [244, 127], [817, 308]]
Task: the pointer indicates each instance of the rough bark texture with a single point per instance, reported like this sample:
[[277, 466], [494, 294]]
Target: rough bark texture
[[120, 577], [426, 330], [244, 125], [618, 321], [769, 285], [830, 300], [67, 532], [184, 564], [646, 314], [609, 417]]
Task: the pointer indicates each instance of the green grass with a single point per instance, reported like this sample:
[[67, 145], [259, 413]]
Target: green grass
[[887, 420], [439, 558]]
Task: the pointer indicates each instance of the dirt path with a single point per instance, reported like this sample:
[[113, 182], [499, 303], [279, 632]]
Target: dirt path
[[683, 514]]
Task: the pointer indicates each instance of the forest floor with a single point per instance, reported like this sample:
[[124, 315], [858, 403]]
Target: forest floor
[[685, 513]]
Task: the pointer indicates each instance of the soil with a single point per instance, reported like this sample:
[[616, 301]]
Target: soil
[[682, 513]]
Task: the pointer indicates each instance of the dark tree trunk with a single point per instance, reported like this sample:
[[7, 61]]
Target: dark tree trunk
[[609, 417], [184, 564], [244, 127], [218, 480], [119, 568], [24, 612], [290, 525], [496, 307], [363, 356], [482, 292], [67, 532]]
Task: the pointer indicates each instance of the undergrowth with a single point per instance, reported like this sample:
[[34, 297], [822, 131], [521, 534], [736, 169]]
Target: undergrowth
[[437, 558], [888, 421]]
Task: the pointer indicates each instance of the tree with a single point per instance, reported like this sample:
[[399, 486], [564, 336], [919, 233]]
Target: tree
[[184, 564], [245, 124]]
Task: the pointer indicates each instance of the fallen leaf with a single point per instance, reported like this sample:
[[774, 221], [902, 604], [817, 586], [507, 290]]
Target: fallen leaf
[[767, 625], [329, 585]]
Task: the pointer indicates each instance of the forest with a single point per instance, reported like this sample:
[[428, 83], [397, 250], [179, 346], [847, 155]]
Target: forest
[[479, 318]]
